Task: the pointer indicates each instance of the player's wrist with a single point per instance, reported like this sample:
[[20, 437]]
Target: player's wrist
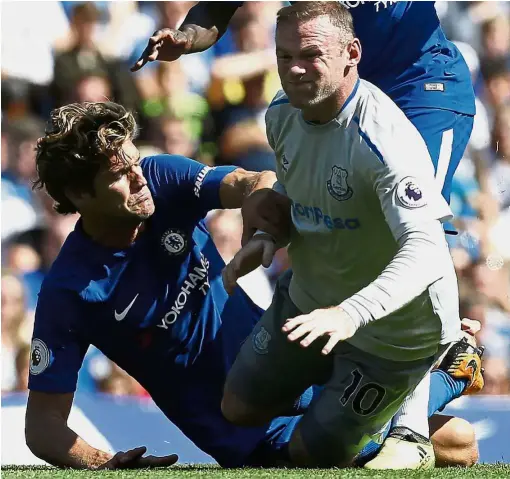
[[99, 459], [190, 34], [259, 234], [350, 313]]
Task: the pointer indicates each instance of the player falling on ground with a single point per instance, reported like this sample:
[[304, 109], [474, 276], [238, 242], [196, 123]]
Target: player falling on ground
[[406, 54], [371, 270], [140, 278]]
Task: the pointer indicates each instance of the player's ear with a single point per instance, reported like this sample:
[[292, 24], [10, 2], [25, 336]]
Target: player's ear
[[354, 52]]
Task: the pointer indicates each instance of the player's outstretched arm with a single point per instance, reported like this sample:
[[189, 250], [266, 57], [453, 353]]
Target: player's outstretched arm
[[49, 438], [204, 25]]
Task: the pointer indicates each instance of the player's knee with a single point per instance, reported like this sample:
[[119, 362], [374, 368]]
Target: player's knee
[[463, 439], [324, 453], [455, 444], [239, 413]]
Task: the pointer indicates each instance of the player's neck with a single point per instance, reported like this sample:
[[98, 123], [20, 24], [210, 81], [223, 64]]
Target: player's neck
[[325, 111], [111, 233]]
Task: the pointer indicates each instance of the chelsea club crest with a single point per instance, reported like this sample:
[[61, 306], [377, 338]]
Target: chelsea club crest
[[337, 184], [174, 241]]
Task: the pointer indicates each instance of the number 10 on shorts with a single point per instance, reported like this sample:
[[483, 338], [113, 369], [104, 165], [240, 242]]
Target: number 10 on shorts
[[366, 399]]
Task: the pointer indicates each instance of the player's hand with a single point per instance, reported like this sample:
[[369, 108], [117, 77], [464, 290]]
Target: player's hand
[[333, 322], [471, 326], [259, 251], [269, 211], [134, 459], [165, 45]]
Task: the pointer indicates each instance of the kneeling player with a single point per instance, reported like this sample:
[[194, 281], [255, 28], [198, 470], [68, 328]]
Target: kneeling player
[[372, 275]]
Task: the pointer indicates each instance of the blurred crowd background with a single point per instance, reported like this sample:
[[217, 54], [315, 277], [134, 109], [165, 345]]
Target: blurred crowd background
[[210, 107]]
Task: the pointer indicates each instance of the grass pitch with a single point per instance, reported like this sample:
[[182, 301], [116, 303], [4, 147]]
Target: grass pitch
[[206, 472]]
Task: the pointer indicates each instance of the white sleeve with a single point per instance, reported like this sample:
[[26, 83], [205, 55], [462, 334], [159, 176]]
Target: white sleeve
[[269, 133], [422, 259], [400, 171], [271, 124]]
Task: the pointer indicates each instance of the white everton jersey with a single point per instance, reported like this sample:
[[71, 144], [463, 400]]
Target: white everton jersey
[[357, 184]]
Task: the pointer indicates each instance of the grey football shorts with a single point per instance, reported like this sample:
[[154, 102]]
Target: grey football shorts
[[361, 392]]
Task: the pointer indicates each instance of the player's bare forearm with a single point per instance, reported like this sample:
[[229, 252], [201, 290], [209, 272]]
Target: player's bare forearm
[[49, 437], [240, 184], [206, 23], [51, 440]]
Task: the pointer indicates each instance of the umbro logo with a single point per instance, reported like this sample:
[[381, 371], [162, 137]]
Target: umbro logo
[[285, 163], [122, 315]]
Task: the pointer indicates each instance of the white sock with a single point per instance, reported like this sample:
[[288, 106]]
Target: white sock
[[413, 413]]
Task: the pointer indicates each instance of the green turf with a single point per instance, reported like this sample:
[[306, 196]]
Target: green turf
[[15, 472]]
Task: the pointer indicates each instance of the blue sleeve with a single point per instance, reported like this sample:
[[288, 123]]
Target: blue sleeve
[[57, 350], [185, 182]]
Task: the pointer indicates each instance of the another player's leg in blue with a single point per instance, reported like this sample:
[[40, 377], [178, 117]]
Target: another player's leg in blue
[[446, 134]]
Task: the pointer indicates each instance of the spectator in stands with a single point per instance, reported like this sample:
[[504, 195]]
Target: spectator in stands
[[177, 138], [93, 87], [22, 259], [54, 236], [499, 181], [84, 59], [22, 368], [241, 124], [496, 75], [196, 67], [30, 33], [13, 319], [492, 283], [20, 207], [500, 171], [496, 37]]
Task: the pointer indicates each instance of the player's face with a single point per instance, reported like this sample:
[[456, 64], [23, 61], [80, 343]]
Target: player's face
[[311, 60], [121, 191]]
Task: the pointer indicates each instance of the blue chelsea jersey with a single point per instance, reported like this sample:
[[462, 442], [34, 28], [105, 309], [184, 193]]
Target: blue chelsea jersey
[[158, 309]]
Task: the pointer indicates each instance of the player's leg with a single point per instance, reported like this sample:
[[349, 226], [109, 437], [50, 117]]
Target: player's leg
[[454, 441], [354, 407], [270, 372], [452, 438], [446, 134], [457, 372]]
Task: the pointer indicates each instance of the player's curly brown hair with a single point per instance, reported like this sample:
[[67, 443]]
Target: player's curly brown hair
[[79, 139]]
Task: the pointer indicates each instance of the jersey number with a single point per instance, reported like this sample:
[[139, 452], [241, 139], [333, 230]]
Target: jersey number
[[378, 393]]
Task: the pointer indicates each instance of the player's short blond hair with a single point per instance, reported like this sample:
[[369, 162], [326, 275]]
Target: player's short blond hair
[[335, 11]]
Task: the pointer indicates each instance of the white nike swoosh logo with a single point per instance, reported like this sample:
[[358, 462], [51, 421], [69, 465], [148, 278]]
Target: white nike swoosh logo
[[121, 316]]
